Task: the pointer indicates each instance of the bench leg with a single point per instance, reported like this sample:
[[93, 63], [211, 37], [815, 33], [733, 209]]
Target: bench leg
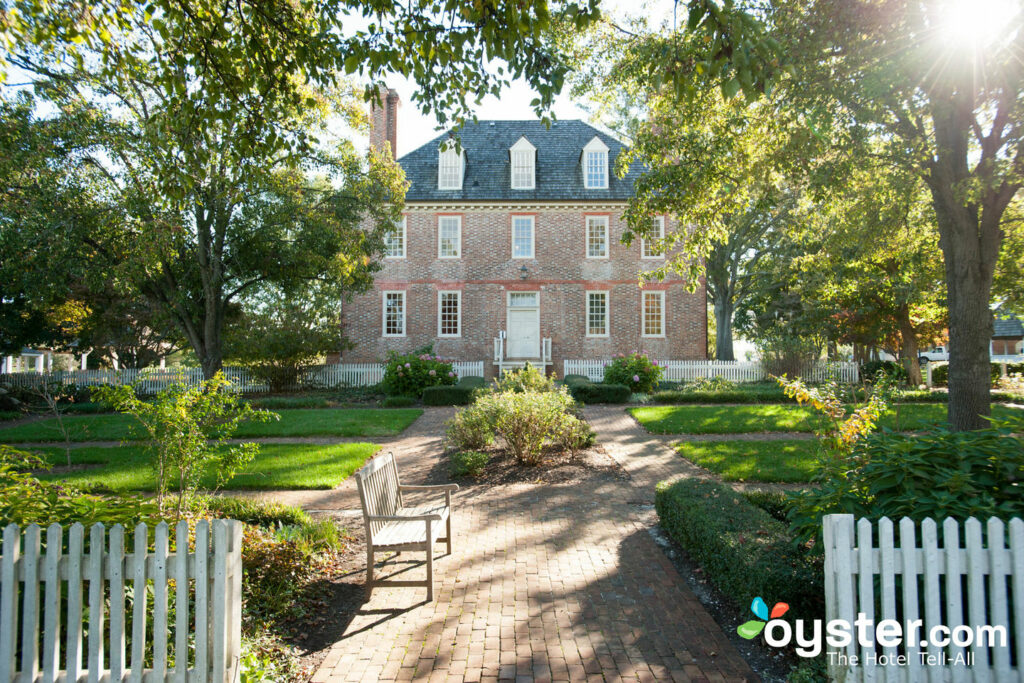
[[430, 564], [369, 571], [448, 531]]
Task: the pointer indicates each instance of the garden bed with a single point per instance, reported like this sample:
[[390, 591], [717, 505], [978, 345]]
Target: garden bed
[[557, 467]]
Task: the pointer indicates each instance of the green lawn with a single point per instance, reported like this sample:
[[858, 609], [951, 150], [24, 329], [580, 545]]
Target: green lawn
[[368, 422], [787, 460], [278, 466], [692, 419]]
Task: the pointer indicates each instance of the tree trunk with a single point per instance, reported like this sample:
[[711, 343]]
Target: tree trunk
[[723, 329], [908, 348]]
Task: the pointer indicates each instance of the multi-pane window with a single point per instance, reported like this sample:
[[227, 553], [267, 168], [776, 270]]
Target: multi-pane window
[[522, 236], [449, 314], [449, 236], [394, 242], [523, 169], [597, 314], [596, 168], [394, 314], [522, 299], [654, 248], [449, 169], [654, 314], [597, 237]]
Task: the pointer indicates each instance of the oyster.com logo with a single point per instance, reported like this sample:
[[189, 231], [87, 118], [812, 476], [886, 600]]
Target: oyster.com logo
[[753, 628]]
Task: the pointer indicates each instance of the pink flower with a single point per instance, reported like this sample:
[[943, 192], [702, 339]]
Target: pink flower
[[432, 373], [451, 374], [654, 363], [636, 378], [408, 365]]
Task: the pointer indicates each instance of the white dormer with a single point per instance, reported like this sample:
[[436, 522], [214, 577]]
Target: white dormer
[[523, 157], [595, 165], [451, 166]]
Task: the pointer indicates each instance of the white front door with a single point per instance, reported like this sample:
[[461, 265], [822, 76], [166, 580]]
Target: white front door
[[523, 325]]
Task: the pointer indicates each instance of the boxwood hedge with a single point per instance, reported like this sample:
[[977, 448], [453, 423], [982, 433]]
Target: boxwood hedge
[[588, 392], [454, 395]]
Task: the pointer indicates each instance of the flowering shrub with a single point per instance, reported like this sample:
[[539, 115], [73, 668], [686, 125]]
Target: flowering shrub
[[411, 373], [636, 371], [528, 378]]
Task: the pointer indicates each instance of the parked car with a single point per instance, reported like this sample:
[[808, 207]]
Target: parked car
[[934, 354]]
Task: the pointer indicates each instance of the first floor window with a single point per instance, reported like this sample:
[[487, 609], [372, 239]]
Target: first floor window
[[394, 243], [449, 237], [653, 314], [654, 248], [394, 314], [522, 237], [597, 314], [597, 237], [449, 314]]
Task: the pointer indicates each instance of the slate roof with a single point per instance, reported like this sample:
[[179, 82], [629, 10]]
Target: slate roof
[[559, 173], [1008, 327]]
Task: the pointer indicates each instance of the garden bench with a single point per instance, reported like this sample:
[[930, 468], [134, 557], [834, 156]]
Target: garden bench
[[392, 526]]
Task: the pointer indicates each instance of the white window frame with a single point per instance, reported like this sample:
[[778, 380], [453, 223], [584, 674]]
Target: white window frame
[[458, 254], [607, 312], [448, 158], [607, 236], [596, 147], [458, 313], [384, 312], [533, 235], [644, 243], [523, 155], [402, 232], [643, 313]]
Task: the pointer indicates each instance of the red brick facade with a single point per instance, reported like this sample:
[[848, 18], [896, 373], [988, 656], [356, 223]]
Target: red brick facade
[[560, 272]]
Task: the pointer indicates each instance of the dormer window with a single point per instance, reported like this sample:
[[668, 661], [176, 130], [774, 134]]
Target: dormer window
[[451, 165], [595, 165], [523, 157]]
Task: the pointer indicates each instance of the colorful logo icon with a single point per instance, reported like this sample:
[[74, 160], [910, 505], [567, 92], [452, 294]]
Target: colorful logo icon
[[752, 628]]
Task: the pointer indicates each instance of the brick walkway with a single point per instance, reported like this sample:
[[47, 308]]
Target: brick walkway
[[545, 583]]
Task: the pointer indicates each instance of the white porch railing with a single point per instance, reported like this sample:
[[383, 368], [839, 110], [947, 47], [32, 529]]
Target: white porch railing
[[962, 585], [153, 380], [98, 583], [503, 362], [735, 371]]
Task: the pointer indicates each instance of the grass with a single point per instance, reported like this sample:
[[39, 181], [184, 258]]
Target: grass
[[366, 422], [277, 466], [690, 419], [788, 460]]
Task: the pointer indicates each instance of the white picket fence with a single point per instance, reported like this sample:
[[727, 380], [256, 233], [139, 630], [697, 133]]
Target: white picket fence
[[862, 563], [96, 581], [735, 371], [153, 380]]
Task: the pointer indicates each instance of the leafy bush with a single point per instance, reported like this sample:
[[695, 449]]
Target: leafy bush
[[570, 380], [467, 463], [939, 474], [410, 374], [588, 392], [6, 415], [940, 373], [311, 537], [708, 384], [258, 512], [895, 371], [743, 550], [398, 401], [473, 382], [470, 430], [189, 430], [775, 503], [527, 420], [528, 378], [448, 395], [636, 371], [575, 435]]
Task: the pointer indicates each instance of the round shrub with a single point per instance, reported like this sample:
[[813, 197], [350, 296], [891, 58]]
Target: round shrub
[[470, 430], [528, 378], [448, 395], [895, 371], [467, 463], [398, 402], [473, 382], [570, 380], [588, 392], [411, 373], [636, 371]]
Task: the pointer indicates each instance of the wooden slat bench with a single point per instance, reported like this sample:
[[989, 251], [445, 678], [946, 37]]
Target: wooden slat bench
[[392, 526]]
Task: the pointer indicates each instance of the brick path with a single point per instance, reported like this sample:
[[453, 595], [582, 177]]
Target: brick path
[[552, 582]]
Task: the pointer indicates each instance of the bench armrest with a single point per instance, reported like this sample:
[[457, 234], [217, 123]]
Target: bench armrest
[[437, 487], [403, 518]]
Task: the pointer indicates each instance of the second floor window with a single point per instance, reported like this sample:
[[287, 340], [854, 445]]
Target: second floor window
[[394, 314], [522, 237], [654, 248], [449, 314], [449, 169], [394, 242], [449, 237], [597, 237]]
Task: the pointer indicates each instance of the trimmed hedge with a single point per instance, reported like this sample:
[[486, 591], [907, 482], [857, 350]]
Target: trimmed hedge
[[454, 395], [588, 392], [743, 550], [734, 396], [940, 374], [570, 380], [473, 382], [398, 402]]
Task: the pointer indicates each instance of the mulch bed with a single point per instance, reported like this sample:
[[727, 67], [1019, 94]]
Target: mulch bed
[[557, 467]]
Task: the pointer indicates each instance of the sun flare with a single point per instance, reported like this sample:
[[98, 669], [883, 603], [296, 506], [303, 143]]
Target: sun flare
[[980, 23]]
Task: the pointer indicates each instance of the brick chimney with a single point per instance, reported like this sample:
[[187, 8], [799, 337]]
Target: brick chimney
[[384, 120]]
